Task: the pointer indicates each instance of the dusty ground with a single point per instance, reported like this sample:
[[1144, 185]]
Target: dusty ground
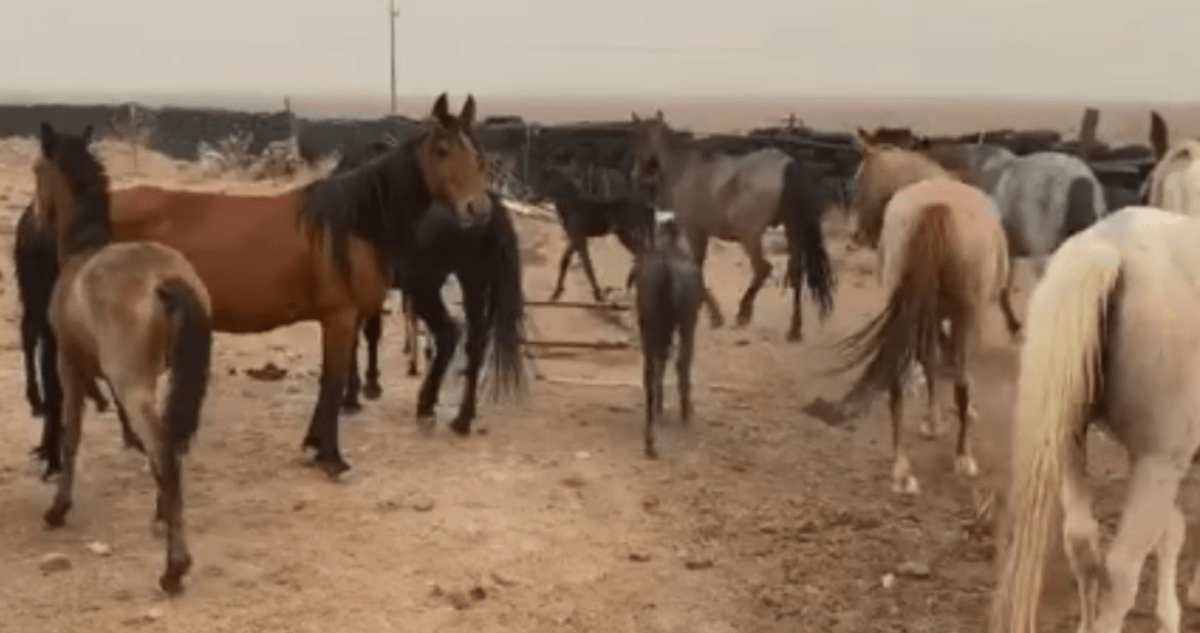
[[758, 517]]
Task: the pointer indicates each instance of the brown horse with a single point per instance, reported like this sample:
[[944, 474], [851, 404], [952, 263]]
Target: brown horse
[[127, 312], [944, 258], [322, 252], [736, 198]]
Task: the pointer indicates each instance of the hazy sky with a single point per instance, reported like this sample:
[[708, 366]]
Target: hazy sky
[[1057, 49]]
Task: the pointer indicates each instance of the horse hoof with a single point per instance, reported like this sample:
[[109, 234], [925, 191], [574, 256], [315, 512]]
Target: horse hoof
[[372, 391], [101, 406], [743, 320], [930, 431], [171, 581], [461, 427], [350, 408], [965, 465], [56, 516], [332, 467], [651, 452], [412, 371], [794, 336], [312, 442], [37, 410], [907, 486]]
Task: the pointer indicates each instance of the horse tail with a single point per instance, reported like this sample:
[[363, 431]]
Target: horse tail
[[1081, 207], [800, 208], [908, 327], [35, 263], [505, 303], [1061, 375], [191, 356]]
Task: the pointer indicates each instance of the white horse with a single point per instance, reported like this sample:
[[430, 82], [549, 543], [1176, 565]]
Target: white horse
[[1174, 184], [1110, 341]]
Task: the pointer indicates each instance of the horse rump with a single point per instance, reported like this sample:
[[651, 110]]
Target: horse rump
[[909, 326]]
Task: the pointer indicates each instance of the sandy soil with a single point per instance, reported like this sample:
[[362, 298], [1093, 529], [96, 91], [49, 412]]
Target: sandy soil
[[757, 518]]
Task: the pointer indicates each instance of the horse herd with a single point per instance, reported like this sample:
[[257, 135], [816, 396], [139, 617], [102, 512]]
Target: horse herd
[[126, 285]]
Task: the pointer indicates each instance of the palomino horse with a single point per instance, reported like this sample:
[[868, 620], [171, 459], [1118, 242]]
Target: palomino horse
[[736, 198], [127, 312], [1174, 183], [322, 252], [1100, 347], [944, 258], [1043, 198]]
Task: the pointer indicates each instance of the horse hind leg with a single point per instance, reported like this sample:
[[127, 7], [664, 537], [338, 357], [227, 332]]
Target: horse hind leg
[[590, 271], [903, 480], [350, 403], [762, 270], [563, 264], [1149, 515], [699, 245], [1081, 538], [683, 367], [964, 458], [72, 423]]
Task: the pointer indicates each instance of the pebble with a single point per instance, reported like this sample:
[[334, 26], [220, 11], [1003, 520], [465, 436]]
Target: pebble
[[99, 549], [888, 581], [583, 455], [155, 613], [422, 504], [54, 562]]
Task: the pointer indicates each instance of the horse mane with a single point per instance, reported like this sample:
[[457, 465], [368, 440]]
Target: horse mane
[[91, 221], [373, 202]]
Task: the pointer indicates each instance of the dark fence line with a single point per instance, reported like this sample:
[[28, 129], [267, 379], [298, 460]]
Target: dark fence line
[[598, 154]]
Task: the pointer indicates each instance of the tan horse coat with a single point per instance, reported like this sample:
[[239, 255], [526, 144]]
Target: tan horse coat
[[943, 257]]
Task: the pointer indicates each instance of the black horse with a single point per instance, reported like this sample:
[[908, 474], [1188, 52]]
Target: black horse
[[35, 258], [485, 258]]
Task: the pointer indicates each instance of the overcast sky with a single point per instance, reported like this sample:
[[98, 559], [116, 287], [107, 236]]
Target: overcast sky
[[1054, 49]]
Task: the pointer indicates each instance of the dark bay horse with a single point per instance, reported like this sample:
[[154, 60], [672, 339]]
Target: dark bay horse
[[629, 218], [322, 252], [129, 312], [670, 290], [736, 198]]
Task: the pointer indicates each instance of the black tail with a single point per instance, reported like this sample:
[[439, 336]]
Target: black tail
[[1081, 208], [191, 356], [801, 206], [35, 260], [505, 302]]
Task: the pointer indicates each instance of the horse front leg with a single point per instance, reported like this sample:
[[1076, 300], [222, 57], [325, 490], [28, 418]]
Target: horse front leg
[[372, 332], [477, 341], [429, 307], [350, 403], [563, 263], [337, 342], [31, 331], [590, 271], [762, 270], [698, 242]]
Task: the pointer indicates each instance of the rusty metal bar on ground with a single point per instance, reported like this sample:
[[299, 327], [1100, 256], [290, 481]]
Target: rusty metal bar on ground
[[600, 345]]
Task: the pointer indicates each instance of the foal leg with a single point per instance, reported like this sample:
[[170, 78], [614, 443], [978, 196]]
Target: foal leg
[[372, 332], [683, 367], [562, 269], [72, 422], [653, 369], [1152, 496], [762, 270], [903, 480]]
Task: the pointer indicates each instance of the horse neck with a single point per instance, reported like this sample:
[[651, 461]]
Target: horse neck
[[85, 227], [677, 153]]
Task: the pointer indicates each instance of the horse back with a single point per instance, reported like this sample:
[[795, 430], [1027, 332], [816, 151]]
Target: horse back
[[732, 196], [262, 267]]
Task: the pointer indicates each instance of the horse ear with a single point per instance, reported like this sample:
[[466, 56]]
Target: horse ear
[[441, 111], [634, 117], [658, 115], [466, 117], [862, 142], [87, 134], [48, 138], [1158, 135]]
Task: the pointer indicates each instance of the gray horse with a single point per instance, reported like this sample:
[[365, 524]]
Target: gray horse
[[736, 198], [1043, 198]]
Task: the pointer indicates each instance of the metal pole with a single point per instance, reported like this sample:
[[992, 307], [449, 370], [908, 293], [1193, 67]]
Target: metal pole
[[393, 13]]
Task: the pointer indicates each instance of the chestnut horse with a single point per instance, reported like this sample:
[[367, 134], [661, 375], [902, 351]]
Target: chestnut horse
[[322, 252], [944, 258], [128, 312], [737, 198]]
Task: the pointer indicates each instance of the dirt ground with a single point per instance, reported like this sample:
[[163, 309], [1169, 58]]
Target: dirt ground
[[757, 518]]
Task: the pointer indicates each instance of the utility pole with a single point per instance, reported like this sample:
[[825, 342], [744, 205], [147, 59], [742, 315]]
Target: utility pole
[[393, 13]]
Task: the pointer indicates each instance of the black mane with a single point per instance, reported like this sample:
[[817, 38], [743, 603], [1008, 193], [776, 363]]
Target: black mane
[[91, 224], [378, 202]]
